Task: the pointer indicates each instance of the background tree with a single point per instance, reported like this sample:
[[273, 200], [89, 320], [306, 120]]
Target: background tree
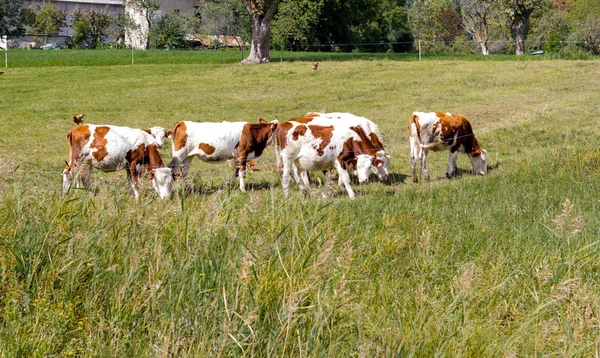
[[169, 31], [148, 9], [11, 18], [225, 17], [261, 13], [519, 13], [125, 26], [49, 20], [295, 24], [476, 18], [90, 26]]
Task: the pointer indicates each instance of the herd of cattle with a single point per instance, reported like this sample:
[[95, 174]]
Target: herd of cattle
[[318, 141]]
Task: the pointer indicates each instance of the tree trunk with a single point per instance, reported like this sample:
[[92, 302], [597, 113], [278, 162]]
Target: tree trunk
[[261, 36], [484, 48], [520, 27]]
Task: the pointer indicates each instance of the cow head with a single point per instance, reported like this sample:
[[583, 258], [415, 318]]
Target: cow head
[[159, 135], [479, 162], [162, 181], [381, 165], [363, 164]]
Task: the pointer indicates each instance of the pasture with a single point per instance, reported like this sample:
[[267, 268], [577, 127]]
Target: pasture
[[505, 264]]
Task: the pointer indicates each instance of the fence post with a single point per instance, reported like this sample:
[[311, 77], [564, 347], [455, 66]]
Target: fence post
[[132, 55], [419, 50]]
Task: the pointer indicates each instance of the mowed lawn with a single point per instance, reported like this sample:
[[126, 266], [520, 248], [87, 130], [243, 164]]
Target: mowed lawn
[[505, 264]]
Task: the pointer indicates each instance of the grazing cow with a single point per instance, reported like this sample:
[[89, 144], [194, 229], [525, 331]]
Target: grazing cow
[[439, 131], [215, 142], [370, 129], [303, 147], [109, 148]]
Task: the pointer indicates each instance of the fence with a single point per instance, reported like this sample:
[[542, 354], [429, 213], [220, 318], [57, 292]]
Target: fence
[[418, 50]]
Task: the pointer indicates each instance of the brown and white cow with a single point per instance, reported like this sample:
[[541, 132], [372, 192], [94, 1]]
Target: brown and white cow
[[109, 148], [440, 131], [351, 120], [305, 146], [215, 142]]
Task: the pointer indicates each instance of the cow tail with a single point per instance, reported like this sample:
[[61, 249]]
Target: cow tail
[[70, 143], [277, 152]]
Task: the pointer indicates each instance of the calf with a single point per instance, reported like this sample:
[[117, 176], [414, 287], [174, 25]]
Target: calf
[[108, 148], [303, 147], [439, 131], [215, 142]]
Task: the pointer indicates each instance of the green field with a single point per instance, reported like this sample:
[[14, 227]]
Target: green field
[[505, 264]]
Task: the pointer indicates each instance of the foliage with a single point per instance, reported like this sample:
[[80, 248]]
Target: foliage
[[49, 20], [587, 34], [90, 27], [518, 13], [294, 26], [549, 30], [124, 24], [226, 17], [169, 31], [11, 19]]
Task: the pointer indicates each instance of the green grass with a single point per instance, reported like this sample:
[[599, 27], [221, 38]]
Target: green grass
[[111, 57], [500, 265]]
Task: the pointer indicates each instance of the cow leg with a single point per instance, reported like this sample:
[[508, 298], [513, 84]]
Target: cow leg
[[241, 169], [304, 183], [329, 174], [132, 178], [185, 167], [285, 175], [452, 168], [414, 154], [424, 154], [344, 177]]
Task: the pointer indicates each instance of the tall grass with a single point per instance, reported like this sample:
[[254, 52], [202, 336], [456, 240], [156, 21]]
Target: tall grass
[[500, 265]]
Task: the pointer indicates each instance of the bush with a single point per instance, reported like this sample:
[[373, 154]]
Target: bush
[[169, 32], [587, 34]]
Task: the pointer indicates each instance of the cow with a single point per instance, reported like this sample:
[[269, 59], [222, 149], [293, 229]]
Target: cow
[[109, 148], [370, 129], [440, 131], [306, 146], [215, 142]]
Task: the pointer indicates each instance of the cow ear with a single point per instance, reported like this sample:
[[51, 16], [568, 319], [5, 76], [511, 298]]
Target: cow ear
[[273, 126], [148, 131], [263, 121], [169, 134], [378, 163]]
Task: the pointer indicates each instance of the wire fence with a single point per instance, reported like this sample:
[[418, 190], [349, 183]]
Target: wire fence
[[407, 50]]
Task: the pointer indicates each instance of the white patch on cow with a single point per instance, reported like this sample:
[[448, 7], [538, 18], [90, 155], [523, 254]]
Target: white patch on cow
[[159, 135], [163, 182]]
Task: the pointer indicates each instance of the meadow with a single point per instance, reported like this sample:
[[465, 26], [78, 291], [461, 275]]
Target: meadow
[[505, 264]]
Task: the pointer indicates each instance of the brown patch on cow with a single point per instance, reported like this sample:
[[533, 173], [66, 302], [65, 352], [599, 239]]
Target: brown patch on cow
[[206, 148], [298, 132], [304, 120], [365, 146], [179, 136], [414, 119], [282, 132], [99, 143], [254, 139], [347, 157], [459, 127], [325, 133], [147, 156], [77, 138], [376, 142]]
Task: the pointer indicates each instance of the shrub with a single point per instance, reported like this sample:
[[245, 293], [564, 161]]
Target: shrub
[[169, 32]]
